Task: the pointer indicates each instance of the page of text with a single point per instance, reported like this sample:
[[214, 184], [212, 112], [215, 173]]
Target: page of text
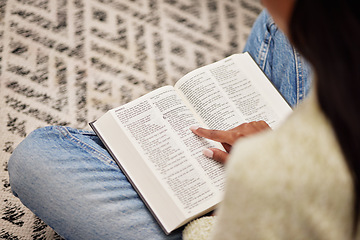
[[225, 96], [158, 125]]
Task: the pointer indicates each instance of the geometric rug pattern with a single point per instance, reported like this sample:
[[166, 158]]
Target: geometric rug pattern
[[66, 62]]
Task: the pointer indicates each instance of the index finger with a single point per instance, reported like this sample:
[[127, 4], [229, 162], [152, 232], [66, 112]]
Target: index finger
[[216, 135]]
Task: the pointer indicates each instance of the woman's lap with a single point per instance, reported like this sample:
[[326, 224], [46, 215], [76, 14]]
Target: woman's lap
[[67, 178]]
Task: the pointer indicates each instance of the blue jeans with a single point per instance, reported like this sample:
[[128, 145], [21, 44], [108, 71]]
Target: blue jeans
[[283, 65], [68, 179]]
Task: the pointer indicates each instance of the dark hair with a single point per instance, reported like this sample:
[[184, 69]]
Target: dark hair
[[327, 33]]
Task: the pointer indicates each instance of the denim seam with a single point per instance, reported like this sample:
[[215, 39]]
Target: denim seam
[[299, 78], [64, 131], [264, 49], [265, 45]]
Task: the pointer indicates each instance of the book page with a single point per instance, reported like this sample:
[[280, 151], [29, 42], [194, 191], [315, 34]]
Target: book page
[[158, 125], [233, 91]]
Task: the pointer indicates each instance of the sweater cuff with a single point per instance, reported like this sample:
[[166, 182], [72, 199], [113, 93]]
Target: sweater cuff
[[199, 229]]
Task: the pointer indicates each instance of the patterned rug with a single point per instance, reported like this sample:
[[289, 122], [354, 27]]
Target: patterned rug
[[66, 62]]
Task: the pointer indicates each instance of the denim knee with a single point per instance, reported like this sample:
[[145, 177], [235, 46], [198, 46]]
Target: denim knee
[[24, 165]]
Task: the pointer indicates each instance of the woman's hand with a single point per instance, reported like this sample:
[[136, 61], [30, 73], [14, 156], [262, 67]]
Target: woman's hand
[[228, 138]]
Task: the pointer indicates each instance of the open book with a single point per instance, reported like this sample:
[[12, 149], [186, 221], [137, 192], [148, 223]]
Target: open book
[[150, 139]]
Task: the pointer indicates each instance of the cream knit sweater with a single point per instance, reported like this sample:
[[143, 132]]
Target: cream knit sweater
[[291, 183]]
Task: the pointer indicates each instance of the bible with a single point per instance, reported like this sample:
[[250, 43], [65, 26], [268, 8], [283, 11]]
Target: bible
[[150, 140]]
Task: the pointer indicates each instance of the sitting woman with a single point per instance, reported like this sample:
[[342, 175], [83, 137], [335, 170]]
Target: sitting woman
[[297, 182]]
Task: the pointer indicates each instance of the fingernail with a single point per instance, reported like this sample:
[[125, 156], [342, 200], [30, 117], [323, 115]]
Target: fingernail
[[194, 128], [208, 153]]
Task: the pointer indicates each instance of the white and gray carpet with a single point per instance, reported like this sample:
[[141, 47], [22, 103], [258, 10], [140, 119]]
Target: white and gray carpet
[[66, 62]]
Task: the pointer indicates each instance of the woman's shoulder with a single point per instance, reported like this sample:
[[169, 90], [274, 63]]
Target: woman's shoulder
[[303, 149]]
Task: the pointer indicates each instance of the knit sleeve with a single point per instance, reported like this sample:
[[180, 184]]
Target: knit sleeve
[[199, 229], [257, 204], [275, 191]]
